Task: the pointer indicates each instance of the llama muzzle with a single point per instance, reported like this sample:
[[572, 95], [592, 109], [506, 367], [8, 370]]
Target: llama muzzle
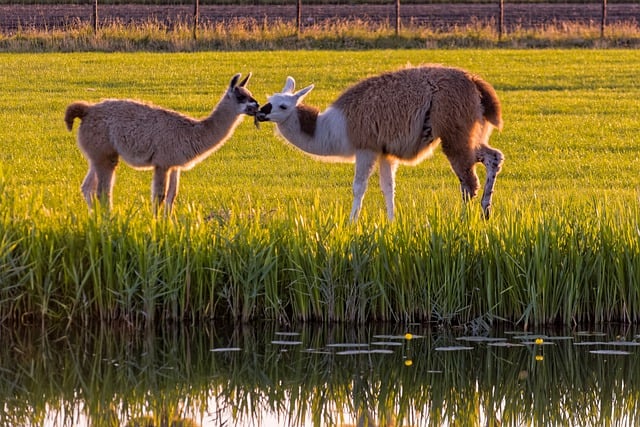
[[261, 115]]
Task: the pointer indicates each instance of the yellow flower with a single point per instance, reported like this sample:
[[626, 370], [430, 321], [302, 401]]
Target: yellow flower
[[539, 341], [408, 336], [408, 362], [539, 357]]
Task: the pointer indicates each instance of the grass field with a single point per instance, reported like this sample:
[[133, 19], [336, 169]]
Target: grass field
[[261, 229]]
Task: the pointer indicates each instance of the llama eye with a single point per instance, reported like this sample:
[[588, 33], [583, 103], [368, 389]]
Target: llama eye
[[283, 107]]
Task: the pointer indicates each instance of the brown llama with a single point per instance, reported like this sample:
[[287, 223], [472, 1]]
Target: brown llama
[[398, 118]]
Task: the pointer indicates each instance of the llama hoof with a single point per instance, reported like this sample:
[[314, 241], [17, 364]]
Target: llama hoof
[[486, 211]]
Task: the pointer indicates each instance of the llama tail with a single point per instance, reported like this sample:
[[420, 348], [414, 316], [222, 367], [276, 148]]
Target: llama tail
[[76, 109], [490, 102]]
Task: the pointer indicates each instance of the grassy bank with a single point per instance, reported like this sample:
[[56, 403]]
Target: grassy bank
[[260, 229], [558, 264]]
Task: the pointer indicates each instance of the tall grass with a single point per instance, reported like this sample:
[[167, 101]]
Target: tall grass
[[261, 231], [561, 265], [352, 34]]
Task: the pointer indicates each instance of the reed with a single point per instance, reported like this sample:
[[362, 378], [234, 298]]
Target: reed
[[563, 265]]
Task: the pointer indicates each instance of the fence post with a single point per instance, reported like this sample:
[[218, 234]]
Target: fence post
[[603, 24], [94, 17], [299, 16], [397, 17], [196, 18], [501, 20]]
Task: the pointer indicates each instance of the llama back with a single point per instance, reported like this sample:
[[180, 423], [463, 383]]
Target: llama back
[[139, 132], [128, 116], [459, 94], [387, 112]]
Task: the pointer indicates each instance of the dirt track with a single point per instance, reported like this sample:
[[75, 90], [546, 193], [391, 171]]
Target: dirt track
[[439, 16]]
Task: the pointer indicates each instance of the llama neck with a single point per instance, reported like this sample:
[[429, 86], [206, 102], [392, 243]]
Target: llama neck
[[219, 126], [319, 134]]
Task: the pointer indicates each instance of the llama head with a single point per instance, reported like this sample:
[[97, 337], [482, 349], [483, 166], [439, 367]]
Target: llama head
[[243, 98], [281, 105]]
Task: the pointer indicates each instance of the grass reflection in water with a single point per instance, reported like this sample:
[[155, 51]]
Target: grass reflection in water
[[221, 375]]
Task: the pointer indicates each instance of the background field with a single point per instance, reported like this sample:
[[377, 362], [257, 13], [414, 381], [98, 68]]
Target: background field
[[570, 176], [570, 123]]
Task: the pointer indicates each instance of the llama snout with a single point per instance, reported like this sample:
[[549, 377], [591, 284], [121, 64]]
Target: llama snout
[[252, 108], [262, 114]]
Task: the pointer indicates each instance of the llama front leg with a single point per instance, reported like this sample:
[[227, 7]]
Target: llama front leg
[[388, 168], [172, 190], [492, 159], [464, 167], [365, 163], [158, 188]]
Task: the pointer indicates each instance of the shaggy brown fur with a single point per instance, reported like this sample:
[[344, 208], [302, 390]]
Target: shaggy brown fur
[[385, 113]]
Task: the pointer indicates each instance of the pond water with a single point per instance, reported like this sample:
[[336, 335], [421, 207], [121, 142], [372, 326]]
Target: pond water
[[317, 375]]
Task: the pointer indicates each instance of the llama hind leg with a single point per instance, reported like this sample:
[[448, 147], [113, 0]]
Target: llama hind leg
[[172, 189], [90, 186], [365, 163], [492, 159], [388, 168], [105, 172]]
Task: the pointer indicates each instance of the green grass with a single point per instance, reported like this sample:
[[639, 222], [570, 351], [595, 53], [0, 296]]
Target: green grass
[[261, 229]]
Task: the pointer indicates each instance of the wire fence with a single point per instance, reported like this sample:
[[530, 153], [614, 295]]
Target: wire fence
[[505, 16]]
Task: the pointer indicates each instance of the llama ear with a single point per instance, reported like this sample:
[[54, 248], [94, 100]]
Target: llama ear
[[234, 81], [289, 85], [303, 92], [245, 80]]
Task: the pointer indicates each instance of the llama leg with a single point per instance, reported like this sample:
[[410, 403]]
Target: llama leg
[[172, 190], [465, 170], [365, 162], [158, 188], [90, 186], [492, 159], [388, 168], [105, 172]]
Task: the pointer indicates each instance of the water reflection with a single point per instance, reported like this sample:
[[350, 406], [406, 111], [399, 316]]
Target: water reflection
[[264, 375]]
